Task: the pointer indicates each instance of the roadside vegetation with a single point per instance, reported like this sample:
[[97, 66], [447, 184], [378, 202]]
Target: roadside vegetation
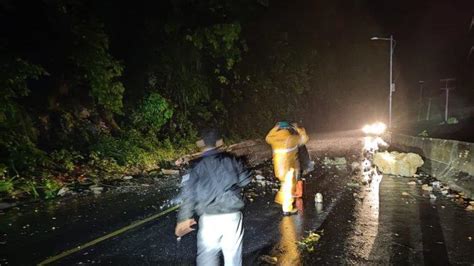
[[102, 95]]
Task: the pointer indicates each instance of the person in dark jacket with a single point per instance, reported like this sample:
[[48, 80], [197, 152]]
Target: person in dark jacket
[[213, 193]]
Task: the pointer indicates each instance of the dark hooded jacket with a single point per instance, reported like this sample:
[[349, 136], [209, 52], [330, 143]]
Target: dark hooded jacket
[[214, 185]]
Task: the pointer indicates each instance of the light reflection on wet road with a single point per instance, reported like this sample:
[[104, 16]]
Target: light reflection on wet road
[[288, 240], [367, 223]]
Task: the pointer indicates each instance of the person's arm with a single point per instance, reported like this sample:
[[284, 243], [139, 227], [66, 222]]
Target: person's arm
[[186, 210], [303, 135], [272, 135]]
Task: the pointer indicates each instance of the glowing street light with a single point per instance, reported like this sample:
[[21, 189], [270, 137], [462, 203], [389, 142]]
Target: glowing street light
[[391, 84]]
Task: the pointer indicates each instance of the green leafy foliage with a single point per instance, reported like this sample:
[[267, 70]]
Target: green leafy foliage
[[133, 151], [100, 69], [153, 113], [220, 41], [22, 154], [102, 167], [14, 75], [6, 185], [17, 134], [452, 121], [308, 243], [121, 98], [30, 186], [65, 160], [50, 188]]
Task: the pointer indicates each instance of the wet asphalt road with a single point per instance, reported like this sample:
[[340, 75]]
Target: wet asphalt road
[[388, 222]]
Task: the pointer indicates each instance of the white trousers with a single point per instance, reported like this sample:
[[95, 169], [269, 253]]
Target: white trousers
[[220, 232]]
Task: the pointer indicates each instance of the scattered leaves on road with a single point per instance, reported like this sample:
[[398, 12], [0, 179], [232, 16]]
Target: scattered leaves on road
[[307, 244]]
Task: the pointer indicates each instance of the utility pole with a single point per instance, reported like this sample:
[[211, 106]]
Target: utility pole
[[428, 111], [420, 101], [391, 86], [447, 88]]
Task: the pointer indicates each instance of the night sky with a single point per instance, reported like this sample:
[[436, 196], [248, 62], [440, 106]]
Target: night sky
[[433, 43]]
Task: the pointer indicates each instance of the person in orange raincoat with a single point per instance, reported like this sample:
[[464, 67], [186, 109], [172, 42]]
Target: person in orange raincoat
[[285, 140]]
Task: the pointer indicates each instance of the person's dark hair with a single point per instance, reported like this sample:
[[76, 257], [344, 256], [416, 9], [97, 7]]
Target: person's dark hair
[[210, 137]]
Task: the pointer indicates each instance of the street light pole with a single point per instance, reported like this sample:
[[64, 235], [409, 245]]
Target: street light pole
[[420, 100], [391, 83], [447, 88]]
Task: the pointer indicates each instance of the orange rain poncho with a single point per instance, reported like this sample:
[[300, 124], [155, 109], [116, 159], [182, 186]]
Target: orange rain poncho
[[285, 144]]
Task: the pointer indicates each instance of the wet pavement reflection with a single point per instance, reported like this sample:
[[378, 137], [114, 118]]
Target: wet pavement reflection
[[290, 233], [366, 224]]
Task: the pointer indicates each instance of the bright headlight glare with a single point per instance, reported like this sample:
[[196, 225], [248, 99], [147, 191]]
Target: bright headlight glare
[[376, 128]]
